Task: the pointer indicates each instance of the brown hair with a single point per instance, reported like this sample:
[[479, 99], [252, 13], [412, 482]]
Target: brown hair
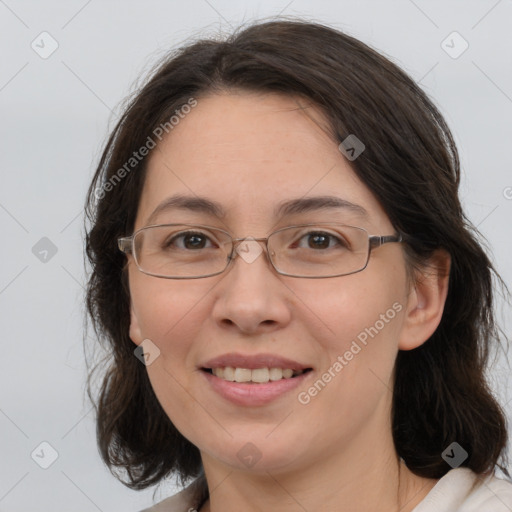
[[412, 167]]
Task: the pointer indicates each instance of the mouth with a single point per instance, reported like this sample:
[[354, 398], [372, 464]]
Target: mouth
[[262, 375]]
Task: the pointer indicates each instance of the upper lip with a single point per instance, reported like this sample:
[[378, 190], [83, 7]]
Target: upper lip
[[252, 362]]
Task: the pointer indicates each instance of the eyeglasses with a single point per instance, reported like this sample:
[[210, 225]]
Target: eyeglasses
[[189, 251]]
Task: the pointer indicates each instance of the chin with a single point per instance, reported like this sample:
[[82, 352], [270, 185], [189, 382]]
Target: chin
[[257, 456]]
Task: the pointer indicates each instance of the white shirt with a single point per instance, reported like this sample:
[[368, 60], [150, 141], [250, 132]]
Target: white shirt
[[460, 490]]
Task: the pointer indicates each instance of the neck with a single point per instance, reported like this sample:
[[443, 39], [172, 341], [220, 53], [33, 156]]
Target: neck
[[356, 471], [363, 483]]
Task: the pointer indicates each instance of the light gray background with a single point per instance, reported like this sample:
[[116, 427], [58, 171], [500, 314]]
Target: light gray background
[[55, 115]]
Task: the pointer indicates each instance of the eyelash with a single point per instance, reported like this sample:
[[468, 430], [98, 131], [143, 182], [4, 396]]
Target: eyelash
[[183, 235]]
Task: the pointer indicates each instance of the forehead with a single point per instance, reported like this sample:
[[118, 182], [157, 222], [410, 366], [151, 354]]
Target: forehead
[[251, 153]]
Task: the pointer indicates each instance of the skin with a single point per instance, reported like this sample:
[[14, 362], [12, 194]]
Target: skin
[[249, 152]]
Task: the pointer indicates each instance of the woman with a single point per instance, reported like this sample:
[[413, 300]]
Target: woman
[[298, 311]]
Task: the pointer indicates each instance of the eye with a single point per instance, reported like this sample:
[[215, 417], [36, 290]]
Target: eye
[[321, 240], [192, 240]]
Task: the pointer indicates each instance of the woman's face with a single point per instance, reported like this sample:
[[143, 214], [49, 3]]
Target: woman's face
[[250, 153]]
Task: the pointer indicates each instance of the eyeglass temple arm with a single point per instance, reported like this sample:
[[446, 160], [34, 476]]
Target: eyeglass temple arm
[[377, 241], [125, 244]]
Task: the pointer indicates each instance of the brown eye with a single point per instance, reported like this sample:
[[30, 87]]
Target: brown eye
[[188, 240], [194, 241], [321, 240], [318, 241]]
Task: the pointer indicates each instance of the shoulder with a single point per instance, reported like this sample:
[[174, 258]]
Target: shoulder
[[465, 491], [494, 494], [187, 500], [459, 490]]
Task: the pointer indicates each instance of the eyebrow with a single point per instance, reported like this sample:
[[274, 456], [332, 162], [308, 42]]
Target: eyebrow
[[286, 208], [310, 204]]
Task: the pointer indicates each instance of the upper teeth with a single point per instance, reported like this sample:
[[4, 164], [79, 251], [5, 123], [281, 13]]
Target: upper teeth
[[261, 375]]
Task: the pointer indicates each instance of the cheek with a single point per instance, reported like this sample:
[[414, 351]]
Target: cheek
[[170, 315], [351, 307], [358, 322], [165, 308], [357, 347]]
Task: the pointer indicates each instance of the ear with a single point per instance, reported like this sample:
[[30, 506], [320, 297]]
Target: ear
[[135, 330], [425, 304]]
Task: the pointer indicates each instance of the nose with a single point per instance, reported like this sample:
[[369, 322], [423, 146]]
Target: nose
[[251, 296]]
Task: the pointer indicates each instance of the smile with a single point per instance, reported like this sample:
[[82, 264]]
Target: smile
[[256, 375]]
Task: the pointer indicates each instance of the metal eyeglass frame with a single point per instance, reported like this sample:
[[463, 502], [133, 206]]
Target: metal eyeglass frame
[[125, 245]]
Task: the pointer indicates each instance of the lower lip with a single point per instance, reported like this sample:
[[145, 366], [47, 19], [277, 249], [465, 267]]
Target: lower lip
[[246, 394]]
